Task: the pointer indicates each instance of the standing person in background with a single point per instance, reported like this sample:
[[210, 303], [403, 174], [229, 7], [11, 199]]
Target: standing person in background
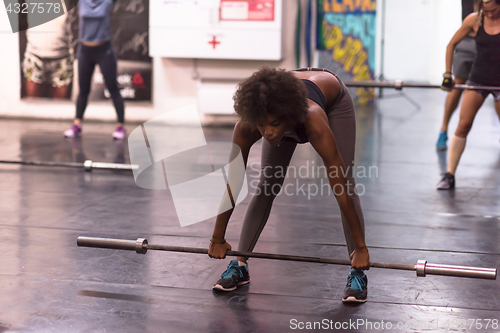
[[485, 26], [465, 51], [95, 49]]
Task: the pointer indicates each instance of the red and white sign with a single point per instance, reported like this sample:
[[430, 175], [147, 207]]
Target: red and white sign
[[214, 42], [247, 10]]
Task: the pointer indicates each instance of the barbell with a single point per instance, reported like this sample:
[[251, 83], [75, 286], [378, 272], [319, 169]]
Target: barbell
[[422, 267], [88, 165], [399, 85]]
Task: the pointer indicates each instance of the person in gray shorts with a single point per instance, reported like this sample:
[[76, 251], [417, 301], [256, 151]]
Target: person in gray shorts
[[285, 109]]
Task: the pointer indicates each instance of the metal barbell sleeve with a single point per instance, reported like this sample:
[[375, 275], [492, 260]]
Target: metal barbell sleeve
[[450, 270], [138, 245], [89, 165], [422, 267]]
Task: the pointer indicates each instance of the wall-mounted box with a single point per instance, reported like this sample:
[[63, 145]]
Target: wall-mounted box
[[216, 29]]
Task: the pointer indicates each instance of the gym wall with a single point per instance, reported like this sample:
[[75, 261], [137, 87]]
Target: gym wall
[[416, 34]]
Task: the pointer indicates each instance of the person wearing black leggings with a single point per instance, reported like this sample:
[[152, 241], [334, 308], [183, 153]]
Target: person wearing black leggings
[[95, 49], [287, 108]]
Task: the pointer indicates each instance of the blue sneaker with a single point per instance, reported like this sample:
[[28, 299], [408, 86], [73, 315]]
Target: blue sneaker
[[356, 288], [234, 276], [441, 144]]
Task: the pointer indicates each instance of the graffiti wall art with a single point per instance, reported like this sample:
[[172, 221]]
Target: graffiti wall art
[[346, 41]]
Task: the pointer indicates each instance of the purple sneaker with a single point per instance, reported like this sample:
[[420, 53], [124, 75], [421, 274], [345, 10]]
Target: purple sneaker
[[119, 133], [75, 130]]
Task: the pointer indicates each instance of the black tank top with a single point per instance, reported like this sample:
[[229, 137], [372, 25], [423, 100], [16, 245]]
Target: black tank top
[[314, 94], [486, 67]]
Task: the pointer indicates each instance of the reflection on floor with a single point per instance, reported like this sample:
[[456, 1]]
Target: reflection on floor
[[48, 284]]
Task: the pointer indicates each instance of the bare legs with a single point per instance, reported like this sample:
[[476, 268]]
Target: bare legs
[[451, 103], [471, 103], [497, 109], [34, 89]]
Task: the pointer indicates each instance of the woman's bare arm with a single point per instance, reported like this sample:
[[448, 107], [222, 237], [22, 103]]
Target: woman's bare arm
[[243, 137], [322, 139], [469, 25]]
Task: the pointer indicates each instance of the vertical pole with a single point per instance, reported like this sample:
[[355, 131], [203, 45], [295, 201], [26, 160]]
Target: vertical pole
[[382, 45], [298, 31]]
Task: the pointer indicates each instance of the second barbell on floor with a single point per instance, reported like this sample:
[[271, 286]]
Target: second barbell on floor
[[399, 84], [88, 165]]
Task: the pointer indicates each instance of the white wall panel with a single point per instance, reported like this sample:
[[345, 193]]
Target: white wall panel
[[197, 29]]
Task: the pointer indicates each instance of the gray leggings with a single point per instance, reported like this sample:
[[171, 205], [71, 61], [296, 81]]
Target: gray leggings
[[342, 122]]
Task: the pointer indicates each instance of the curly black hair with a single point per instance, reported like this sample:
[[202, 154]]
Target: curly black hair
[[271, 92]]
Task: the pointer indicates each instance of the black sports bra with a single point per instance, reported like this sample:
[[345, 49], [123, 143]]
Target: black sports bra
[[315, 95]]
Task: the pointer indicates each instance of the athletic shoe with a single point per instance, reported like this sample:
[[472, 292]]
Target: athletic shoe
[[75, 130], [356, 288], [441, 144], [234, 276], [447, 183], [119, 133]]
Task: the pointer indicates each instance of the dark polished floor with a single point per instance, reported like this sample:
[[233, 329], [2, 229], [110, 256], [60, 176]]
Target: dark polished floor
[[48, 284]]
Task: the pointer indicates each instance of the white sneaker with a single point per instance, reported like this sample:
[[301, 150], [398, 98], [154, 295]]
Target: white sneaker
[[119, 133], [75, 130]]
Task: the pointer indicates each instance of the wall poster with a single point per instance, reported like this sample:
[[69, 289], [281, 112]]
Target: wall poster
[[47, 54]]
